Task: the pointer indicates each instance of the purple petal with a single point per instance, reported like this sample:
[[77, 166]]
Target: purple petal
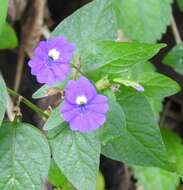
[[99, 104], [57, 42], [71, 91], [87, 87], [98, 108], [80, 123], [61, 71], [41, 49], [34, 62], [87, 122], [69, 111], [46, 76], [69, 48], [99, 99], [38, 67], [65, 57], [81, 87]]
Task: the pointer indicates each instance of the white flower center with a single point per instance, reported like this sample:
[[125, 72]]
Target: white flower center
[[80, 100], [53, 54]]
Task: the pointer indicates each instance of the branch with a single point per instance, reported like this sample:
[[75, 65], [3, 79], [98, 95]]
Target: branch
[[28, 103], [175, 31]]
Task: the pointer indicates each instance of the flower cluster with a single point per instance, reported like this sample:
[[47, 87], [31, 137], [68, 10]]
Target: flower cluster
[[83, 108]]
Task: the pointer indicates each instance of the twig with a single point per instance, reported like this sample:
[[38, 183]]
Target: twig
[[178, 40], [28, 103], [175, 31], [140, 187], [164, 114], [19, 69], [31, 33], [46, 32], [77, 66], [77, 69], [9, 108], [127, 177]]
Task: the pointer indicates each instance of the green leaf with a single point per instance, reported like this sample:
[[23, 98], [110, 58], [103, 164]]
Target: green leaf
[[3, 98], [117, 57], [140, 20], [134, 72], [175, 149], [155, 178], [56, 177], [3, 13], [46, 90], [130, 83], [156, 87], [8, 38], [54, 120], [140, 68], [174, 58], [141, 143], [89, 23], [51, 134], [180, 4], [77, 155], [153, 84], [115, 123], [41, 92], [24, 157]]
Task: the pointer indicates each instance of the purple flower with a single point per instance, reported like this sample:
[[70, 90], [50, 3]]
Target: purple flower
[[83, 108], [51, 60]]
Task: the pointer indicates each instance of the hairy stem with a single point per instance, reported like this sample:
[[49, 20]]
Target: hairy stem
[[28, 103]]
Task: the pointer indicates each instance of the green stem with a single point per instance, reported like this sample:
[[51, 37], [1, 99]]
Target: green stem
[[28, 103], [77, 69]]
